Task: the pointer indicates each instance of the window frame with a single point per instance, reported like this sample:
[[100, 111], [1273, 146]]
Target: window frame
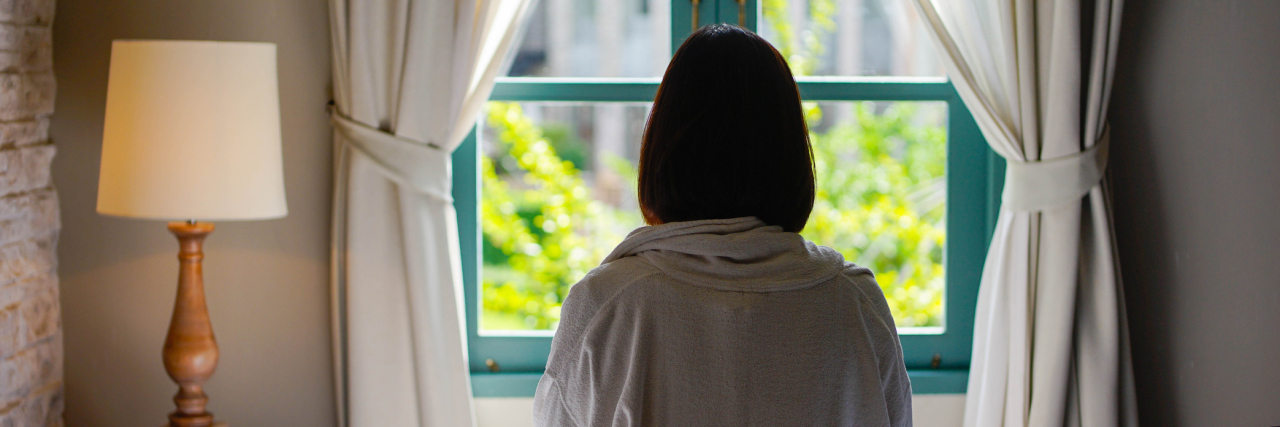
[[936, 363]]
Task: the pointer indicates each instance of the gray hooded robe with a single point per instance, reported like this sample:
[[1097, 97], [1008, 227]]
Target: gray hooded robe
[[724, 323]]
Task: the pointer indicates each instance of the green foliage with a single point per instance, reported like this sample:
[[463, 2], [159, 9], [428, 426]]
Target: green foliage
[[542, 220], [880, 199], [801, 48], [880, 202]]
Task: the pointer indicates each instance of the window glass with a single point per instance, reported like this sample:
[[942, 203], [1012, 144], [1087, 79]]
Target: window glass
[[595, 38], [558, 193], [849, 37], [881, 198]]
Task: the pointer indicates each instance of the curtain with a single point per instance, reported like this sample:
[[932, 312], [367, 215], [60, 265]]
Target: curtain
[[1051, 343], [410, 77]]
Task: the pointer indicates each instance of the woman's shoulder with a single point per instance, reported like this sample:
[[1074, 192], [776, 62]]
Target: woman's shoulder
[[858, 276], [863, 282], [603, 284], [614, 276]]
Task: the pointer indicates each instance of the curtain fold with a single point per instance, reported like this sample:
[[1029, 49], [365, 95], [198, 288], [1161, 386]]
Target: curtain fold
[[410, 77], [1051, 343]]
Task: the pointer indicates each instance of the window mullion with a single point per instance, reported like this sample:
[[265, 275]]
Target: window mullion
[[574, 90]]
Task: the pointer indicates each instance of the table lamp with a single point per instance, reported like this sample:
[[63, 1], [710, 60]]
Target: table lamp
[[192, 132]]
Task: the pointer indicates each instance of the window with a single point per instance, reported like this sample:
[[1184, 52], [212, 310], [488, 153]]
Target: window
[[544, 187]]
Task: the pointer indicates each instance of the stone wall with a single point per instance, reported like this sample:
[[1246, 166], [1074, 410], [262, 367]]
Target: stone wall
[[30, 330]]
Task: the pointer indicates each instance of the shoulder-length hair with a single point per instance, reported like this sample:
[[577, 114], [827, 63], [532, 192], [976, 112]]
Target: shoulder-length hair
[[727, 136]]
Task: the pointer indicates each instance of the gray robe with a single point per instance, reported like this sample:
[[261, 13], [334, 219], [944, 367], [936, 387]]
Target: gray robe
[[724, 323]]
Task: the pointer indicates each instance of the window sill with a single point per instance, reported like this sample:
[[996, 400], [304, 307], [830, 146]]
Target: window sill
[[523, 384]]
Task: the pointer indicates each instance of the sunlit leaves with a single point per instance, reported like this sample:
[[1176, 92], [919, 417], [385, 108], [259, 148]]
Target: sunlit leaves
[[542, 219], [880, 203]]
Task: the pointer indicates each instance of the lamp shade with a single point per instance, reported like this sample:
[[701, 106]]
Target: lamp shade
[[192, 131]]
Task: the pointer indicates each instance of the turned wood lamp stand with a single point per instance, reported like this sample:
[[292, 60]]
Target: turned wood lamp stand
[[190, 351], [192, 130]]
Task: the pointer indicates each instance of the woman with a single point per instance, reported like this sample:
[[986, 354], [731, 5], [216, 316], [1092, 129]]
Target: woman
[[718, 313]]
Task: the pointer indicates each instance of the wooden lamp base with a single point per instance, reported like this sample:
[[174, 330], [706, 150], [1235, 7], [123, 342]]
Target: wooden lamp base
[[190, 351]]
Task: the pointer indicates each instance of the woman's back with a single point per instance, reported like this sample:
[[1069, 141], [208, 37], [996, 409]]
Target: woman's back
[[720, 313], [725, 322]]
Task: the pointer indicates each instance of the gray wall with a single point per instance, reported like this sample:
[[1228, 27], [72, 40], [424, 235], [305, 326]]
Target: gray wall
[[267, 281], [1196, 169]]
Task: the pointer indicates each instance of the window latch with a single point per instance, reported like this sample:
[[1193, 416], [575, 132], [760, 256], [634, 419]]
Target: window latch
[[742, 13], [695, 14]]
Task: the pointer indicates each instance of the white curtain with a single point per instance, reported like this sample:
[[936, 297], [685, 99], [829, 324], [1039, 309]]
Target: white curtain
[[410, 76], [1051, 344]]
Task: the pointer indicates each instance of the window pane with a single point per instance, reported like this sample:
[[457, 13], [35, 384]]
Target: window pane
[[558, 182], [849, 37], [881, 198], [595, 38], [557, 194]]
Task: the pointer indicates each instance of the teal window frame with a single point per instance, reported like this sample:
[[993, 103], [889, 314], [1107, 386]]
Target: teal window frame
[[936, 363]]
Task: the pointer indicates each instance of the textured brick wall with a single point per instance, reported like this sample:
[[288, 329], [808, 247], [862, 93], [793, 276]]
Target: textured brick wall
[[30, 330]]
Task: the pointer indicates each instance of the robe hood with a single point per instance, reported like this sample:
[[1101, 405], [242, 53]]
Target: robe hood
[[738, 254]]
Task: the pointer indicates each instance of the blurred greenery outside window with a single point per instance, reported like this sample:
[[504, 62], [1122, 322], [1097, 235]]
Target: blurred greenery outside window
[[552, 207]]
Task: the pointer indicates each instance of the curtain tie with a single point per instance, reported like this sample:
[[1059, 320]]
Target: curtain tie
[[1040, 185], [423, 167]]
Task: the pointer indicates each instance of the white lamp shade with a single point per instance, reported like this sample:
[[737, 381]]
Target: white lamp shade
[[192, 131]]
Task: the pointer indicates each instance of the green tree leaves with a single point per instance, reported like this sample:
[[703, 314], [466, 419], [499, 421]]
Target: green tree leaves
[[541, 222], [880, 201]]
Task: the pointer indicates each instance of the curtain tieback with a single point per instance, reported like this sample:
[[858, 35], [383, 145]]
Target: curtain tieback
[[1034, 186], [423, 167]]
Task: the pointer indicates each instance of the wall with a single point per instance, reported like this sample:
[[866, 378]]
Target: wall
[[31, 391], [1196, 171], [267, 281]]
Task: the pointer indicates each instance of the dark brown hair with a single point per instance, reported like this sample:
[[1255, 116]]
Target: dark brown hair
[[727, 137]]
